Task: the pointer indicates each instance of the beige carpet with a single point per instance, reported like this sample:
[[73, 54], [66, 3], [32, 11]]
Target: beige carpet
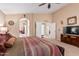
[[70, 50], [17, 49]]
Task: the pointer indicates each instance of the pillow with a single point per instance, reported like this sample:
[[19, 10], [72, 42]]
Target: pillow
[[5, 36], [2, 47], [2, 41], [2, 37], [8, 36], [10, 42]]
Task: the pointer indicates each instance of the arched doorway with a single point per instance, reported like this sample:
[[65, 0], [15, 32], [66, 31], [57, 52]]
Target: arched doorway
[[24, 27]]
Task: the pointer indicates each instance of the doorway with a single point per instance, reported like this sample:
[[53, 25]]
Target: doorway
[[46, 29], [24, 27]]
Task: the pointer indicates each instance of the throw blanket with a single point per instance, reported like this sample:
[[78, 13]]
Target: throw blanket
[[35, 46]]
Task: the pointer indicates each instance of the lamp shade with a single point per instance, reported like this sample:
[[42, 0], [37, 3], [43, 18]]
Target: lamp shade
[[3, 30]]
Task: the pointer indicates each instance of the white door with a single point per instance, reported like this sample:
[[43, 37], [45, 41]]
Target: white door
[[46, 29], [51, 30], [40, 27]]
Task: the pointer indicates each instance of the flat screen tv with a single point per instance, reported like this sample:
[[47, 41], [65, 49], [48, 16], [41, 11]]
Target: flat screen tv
[[71, 30]]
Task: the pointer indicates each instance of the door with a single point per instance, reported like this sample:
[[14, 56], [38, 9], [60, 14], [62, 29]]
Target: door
[[51, 30], [40, 29], [46, 29]]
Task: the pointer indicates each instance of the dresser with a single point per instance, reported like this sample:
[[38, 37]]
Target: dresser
[[70, 39]]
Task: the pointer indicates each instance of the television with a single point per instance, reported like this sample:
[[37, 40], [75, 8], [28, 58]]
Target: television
[[71, 30]]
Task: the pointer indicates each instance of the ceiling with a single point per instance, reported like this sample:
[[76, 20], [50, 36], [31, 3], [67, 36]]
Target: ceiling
[[15, 8]]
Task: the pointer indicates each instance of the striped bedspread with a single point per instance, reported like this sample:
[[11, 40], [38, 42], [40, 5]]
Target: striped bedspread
[[34, 46]]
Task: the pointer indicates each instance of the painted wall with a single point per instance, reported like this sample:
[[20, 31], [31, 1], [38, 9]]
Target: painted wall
[[2, 18], [62, 15], [14, 29]]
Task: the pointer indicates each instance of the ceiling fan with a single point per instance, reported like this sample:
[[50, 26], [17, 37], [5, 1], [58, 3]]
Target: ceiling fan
[[48, 6]]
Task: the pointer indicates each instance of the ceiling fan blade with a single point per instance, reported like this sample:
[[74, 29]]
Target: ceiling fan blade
[[49, 6], [42, 4]]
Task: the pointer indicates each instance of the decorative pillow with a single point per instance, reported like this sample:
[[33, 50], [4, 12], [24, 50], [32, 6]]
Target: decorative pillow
[[2, 48], [5, 36], [3, 39], [10, 42], [8, 36]]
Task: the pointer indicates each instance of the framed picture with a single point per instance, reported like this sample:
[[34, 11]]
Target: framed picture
[[72, 20], [11, 22]]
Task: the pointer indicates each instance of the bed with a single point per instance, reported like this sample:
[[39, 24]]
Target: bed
[[35, 46]]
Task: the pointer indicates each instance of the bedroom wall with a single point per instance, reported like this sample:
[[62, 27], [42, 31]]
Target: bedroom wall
[[14, 29], [41, 17], [32, 17], [2, 18], [62, 15]]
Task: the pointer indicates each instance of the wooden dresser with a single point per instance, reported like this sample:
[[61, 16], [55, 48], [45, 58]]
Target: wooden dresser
[[70, 39]]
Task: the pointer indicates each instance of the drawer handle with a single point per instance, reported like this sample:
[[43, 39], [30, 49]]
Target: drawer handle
[[73, 37], [65, 36]]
